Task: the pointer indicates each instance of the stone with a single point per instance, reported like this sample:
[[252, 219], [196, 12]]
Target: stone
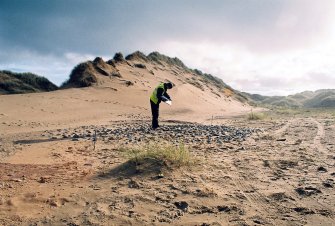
[[75, 136], [322, 169], [133, 184], [329, 183], [43, 179], [53, 203], [303, 210], [140, 66], [182, 205], [16, 180], [307, 191]]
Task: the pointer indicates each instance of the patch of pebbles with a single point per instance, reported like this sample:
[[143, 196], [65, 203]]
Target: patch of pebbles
[[188, 133]]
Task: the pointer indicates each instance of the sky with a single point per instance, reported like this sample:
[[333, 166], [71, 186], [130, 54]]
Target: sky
[[269, 47]]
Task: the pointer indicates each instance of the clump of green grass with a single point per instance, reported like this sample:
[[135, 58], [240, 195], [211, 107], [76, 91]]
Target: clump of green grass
[[256, 116], [287, 111], [167, 153]]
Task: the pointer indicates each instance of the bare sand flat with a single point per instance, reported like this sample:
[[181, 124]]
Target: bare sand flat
[[275, 171]]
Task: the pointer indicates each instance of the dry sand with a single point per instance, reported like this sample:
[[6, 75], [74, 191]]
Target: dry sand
[[50, 174]]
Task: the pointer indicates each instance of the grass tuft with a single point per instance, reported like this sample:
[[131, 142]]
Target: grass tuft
[[175, 155], [256, 116]]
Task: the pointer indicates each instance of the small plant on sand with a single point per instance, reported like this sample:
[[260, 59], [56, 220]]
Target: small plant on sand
[[287, 111], [267, 137], [167, 153], [256, 116]]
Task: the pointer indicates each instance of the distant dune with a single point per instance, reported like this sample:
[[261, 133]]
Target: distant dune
[[13, 83], [307, 99]]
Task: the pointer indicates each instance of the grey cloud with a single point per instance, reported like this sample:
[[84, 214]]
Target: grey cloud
[[319, 78], [55, 68], [283, 85], [105, 26]]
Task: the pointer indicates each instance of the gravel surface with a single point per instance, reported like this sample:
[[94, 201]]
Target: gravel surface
[[188, 133]]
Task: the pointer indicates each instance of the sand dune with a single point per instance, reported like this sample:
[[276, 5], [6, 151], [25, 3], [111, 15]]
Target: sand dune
[[112, 98]]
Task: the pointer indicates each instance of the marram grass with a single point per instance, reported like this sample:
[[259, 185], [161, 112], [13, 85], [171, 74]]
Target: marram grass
[[177, 155], [256, 116]]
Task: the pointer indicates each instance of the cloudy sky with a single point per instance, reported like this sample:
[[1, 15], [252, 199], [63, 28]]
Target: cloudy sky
[[271, 47]]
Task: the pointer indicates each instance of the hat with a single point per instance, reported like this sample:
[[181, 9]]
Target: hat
[[168, 85]]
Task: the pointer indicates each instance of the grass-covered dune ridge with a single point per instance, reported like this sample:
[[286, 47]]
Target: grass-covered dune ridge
[[15, 83]]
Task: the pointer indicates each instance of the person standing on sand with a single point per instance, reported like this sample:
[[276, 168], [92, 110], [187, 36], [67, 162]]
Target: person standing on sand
[[158, 95]]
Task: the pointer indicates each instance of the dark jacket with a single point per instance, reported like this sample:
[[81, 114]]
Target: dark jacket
[[160, 94]]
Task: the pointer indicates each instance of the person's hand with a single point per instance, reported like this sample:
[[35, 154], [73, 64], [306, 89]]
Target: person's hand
[[163, 98]]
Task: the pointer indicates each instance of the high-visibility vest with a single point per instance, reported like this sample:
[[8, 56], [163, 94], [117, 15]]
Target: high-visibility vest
[[153, 96]]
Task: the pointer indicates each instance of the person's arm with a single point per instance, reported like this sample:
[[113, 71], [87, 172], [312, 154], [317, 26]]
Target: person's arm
[[167, 95]]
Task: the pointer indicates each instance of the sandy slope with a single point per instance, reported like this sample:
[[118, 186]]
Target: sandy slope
[[112, 99]]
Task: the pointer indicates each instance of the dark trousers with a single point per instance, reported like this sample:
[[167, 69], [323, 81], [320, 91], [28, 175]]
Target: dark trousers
[[155, 114]]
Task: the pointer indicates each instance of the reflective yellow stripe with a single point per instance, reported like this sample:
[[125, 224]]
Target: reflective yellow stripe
[[153, 96]]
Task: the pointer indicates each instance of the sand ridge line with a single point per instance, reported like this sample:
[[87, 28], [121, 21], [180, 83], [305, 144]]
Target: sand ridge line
[[258, 199], [319, 136], [265, 204], [256, 196], [281, 130], [318, 146]]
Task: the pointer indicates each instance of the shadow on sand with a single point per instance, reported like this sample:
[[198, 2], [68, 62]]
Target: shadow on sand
[[145, 167]]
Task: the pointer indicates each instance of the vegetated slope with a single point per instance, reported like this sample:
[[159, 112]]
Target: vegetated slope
[[151, 68], [15, 83], [322, 98], [307, 99], [87, 73]]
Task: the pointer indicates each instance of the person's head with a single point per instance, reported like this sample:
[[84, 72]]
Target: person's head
[[168, 85]]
